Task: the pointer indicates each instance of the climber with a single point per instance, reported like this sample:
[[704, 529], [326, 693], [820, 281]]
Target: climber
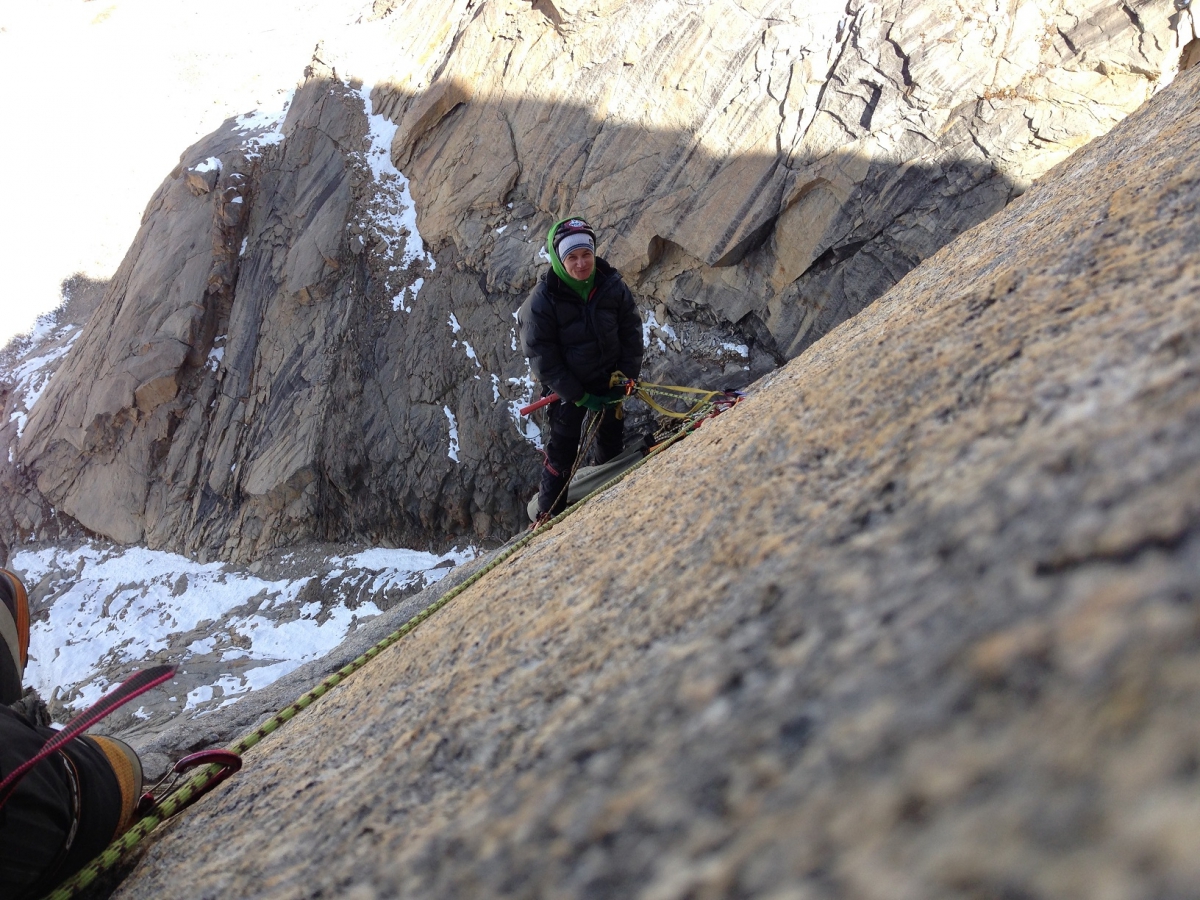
[[579, 328], [70, 805]]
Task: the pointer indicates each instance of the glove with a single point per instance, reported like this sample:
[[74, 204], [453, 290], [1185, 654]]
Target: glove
[[591, 402], [615, 397]]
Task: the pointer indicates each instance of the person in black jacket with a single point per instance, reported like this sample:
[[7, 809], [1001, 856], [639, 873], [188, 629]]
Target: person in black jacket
[[579, 327], [71, 804]]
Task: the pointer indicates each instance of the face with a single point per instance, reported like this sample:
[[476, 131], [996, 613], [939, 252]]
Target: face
[[579, 263]]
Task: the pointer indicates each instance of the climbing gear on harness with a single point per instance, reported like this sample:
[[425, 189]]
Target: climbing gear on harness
[[697, 397], [647, 392], [619, 389], [701, 405]]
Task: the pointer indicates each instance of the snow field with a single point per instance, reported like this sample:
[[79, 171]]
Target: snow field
[[115, 608]]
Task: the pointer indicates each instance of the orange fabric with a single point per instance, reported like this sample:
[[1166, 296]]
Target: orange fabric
[[128, 769], [22, 616]]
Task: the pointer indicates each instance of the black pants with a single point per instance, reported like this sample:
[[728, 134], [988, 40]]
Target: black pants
[[36, 847], [566, 425]]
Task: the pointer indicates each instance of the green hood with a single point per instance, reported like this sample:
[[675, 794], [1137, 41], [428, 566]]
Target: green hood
[[582, 288]]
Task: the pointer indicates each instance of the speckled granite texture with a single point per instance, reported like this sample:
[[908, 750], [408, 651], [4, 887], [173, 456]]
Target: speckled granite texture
[[921, 618]]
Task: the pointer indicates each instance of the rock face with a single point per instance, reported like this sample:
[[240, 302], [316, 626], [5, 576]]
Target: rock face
[[26, 367], [247, 367], [918, 619], [777, 166], [280, 358]]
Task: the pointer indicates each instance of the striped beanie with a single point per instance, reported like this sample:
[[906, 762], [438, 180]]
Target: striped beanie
[[572, 234]]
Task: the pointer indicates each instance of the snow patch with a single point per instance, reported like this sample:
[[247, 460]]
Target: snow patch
[[526, 427], [403, 568], [453, 454], [737, 349], [202, 694], [264, 127], [31, 378], [392, 209], [456, 328], [650, 322], [43, 327], [122, 605], [414, 289], [205, 645]]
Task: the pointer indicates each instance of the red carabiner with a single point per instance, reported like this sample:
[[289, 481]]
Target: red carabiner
[[229, 762]]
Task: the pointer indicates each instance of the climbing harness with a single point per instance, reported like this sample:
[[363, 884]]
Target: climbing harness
[[220, 764]]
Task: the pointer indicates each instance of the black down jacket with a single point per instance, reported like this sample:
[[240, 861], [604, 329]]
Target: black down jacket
[[574, 346]]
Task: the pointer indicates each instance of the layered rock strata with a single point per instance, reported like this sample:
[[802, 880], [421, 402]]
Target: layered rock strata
[[918, 619], [280, 358]]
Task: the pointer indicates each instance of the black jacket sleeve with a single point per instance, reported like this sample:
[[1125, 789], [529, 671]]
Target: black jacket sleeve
[[539, 340], [37, 819], [629, 331]]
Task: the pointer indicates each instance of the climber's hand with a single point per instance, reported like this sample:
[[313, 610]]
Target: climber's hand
[[615, 397], [591, 402]]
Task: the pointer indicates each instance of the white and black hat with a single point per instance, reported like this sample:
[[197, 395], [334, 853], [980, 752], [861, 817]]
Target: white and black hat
[[572, 234]]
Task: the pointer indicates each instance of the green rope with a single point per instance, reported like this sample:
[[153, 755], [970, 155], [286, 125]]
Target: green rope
[[180, 797]]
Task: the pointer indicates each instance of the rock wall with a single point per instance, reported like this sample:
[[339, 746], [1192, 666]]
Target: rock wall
[[27, 365], [918, 619], [281, 358], [775, 165], [255, 369]]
